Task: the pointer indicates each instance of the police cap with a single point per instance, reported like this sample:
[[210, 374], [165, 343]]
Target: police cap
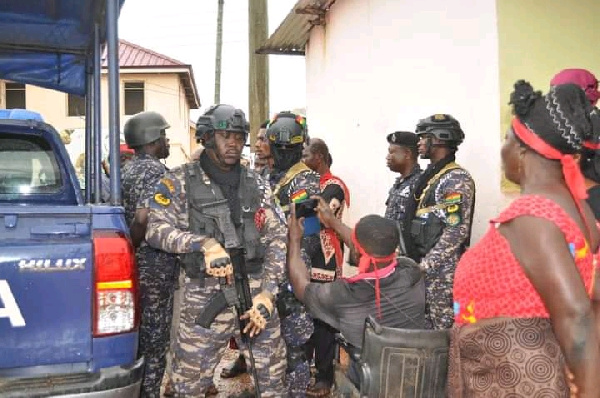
[[403, 138]]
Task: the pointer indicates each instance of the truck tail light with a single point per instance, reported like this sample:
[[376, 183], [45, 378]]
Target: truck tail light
[[115, 284]]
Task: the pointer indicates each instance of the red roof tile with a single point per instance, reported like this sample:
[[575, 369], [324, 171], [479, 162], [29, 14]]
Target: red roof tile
[[133, 55]]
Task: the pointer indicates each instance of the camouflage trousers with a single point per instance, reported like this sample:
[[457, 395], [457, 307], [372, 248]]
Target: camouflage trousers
[[157, 284], [297, 327], [439, 303], [198, 350]]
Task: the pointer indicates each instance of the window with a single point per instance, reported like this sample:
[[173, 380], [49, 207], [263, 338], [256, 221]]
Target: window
[[15, 95], [27, 165], [75, 105], [134, 97]]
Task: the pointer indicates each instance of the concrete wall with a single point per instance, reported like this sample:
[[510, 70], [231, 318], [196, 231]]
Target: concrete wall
[[164, 93], [538, 38], [379, 66]]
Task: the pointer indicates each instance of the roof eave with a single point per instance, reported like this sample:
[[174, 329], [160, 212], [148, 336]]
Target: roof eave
[[191, 90], [291, 36]]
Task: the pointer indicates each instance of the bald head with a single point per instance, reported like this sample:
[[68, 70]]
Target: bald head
[[317, 157]]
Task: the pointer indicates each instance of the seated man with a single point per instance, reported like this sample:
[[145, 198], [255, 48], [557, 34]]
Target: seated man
[[385, 285]]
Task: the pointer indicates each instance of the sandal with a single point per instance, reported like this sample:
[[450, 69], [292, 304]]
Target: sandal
[[320, 389]]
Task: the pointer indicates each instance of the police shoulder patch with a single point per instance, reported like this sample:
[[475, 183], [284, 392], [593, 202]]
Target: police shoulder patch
[[453, 198], [453, 219], [162, 199], [168, 183], [299, 195], [452, 208]]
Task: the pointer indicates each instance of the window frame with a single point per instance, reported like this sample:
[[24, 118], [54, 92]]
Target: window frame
[[69, 105], [7, 90], [125, 90]]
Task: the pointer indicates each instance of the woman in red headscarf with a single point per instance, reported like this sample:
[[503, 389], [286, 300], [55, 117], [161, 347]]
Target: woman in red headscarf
[[590, 153], [525, 295]]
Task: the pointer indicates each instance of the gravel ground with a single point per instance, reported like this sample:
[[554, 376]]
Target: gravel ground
[[238, 384]]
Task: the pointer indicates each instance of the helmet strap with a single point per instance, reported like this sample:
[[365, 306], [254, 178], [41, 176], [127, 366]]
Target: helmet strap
[[208, 141], [428, 148]]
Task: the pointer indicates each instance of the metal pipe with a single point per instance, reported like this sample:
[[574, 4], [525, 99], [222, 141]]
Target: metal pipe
[[97, 129], [89, 98], [112, 39]]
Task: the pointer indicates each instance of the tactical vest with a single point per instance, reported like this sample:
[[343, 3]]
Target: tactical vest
[[427, 227], [285, 187], [209, 215]]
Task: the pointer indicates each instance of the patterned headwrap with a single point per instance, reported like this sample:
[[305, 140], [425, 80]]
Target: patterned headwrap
[[555, 126]]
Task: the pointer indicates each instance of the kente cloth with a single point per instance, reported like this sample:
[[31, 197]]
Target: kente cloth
[[489, 281], [504, 358]]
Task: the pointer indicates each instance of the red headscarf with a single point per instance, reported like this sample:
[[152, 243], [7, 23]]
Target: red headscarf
[[581, 77], [573, 177], [365, 263]]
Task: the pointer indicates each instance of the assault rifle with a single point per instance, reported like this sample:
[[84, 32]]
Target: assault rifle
[[235, 290]]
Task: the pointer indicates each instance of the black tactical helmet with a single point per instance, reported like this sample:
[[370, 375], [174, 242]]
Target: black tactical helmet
[[222, 118], [443, 127], [144, 128], [287, 129]]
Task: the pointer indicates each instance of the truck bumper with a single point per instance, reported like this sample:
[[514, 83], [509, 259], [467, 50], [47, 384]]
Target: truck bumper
[[115, 382]]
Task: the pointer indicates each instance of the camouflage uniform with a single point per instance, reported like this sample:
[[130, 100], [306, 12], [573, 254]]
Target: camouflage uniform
[[296, 324], [157, 271], [451, 198], [399, 194], [197, 350]]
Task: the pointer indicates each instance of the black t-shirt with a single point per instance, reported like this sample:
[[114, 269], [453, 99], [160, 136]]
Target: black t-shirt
[[594, 200], [345, 305], [333, 191]]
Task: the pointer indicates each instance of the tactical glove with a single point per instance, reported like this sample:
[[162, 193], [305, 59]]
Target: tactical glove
[[216, 259], [259, 314]]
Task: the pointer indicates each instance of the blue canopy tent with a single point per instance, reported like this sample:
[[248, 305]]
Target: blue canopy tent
[[47, 42], [57, 44]]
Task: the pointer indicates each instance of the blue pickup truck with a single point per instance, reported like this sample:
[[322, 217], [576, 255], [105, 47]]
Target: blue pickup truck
[[68, 281], [68, 285]]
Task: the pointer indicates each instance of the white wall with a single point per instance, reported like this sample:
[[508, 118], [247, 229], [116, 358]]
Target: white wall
[[380, 66]]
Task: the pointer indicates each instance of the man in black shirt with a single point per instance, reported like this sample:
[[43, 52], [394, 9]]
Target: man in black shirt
[[390, 287], [328, 266]]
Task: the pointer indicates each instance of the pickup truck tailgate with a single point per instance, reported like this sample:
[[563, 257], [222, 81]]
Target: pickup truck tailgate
[[45, 285]]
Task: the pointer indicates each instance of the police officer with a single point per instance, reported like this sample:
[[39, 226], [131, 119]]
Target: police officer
[[145, 134], [292, 181], [402, 158], [437, 226], [210, 211]]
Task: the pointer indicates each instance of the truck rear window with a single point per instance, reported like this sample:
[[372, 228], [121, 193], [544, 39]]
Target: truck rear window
[[28, 166]]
